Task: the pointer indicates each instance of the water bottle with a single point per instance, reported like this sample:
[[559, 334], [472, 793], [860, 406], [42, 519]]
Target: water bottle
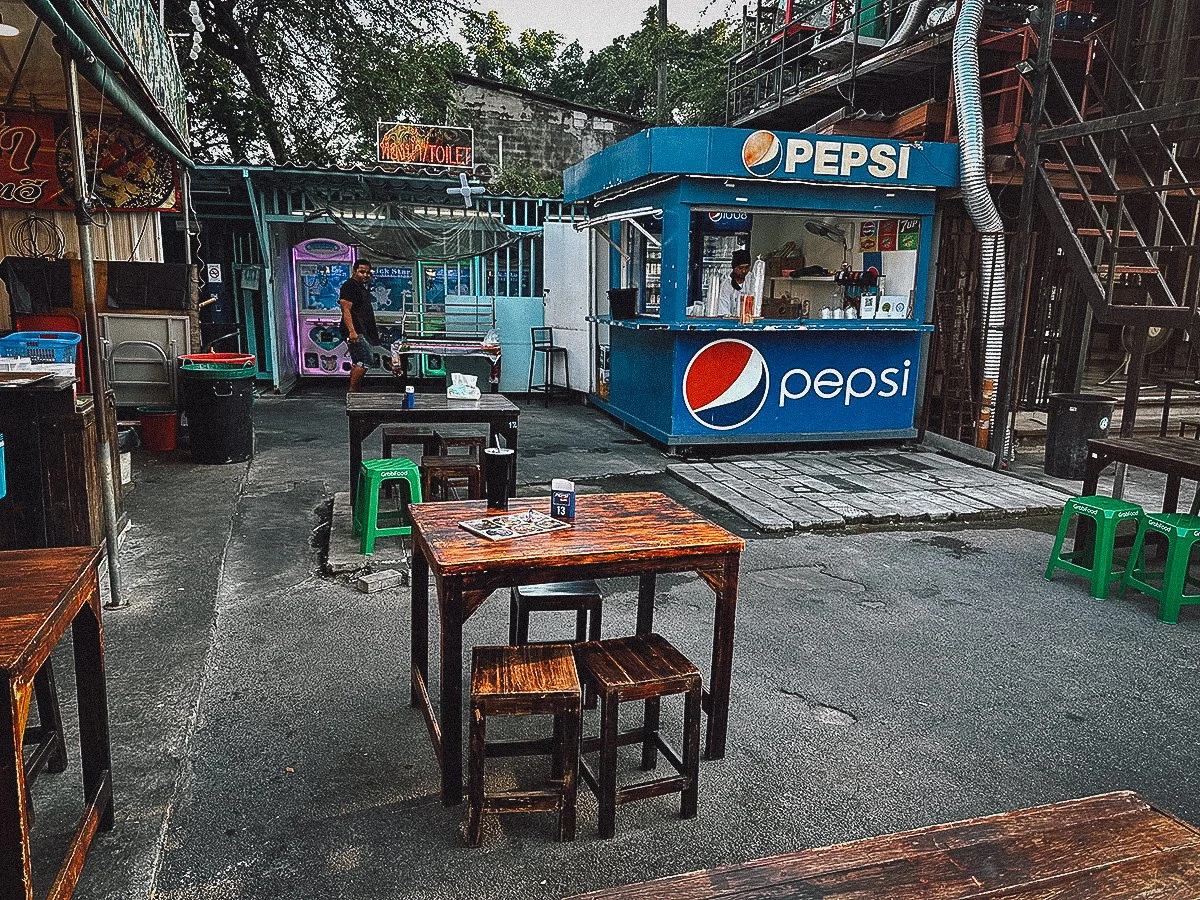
[[410, 397]]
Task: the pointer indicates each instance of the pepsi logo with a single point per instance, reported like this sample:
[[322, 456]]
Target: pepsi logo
[[762, 153], [725, 384]]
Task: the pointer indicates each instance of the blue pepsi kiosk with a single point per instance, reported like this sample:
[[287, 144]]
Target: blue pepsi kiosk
[[830, 348]]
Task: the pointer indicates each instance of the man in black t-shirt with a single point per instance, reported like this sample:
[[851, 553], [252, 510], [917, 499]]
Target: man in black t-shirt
[[358, 322]]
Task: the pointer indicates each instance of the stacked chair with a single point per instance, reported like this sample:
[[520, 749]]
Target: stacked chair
[[1092, 557]]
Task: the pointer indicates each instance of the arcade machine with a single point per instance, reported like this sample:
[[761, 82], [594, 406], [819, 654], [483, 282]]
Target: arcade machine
[[405, 296], [319, 268]]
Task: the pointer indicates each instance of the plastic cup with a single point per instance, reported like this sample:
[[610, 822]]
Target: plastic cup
[[497, 474]]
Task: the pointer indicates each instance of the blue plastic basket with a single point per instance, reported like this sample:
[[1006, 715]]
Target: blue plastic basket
[[41, 346]]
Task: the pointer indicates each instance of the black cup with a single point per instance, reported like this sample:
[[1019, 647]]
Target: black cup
[[497, 474]]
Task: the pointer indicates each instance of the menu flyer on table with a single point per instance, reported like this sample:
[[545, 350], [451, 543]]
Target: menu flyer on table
[[513, 525]]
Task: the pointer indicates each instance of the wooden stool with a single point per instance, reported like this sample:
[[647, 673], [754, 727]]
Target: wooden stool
[[438, 471], [46, 737], [646, 667], [422, 436], [582, 597], [525, 681], [473, 440]]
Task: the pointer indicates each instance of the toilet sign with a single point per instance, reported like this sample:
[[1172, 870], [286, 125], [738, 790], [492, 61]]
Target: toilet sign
[[214, 273]]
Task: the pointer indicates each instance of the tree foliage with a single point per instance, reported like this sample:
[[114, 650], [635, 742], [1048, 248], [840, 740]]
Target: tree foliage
[[304, 81], [623, 76]]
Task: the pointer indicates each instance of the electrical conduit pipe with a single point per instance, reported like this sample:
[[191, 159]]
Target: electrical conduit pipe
[[980, 206]]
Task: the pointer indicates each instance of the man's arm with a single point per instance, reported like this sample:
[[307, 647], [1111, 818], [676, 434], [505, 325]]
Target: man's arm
[[347, 319]]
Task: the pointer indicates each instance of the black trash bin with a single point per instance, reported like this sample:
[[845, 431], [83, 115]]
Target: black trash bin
[[1072, 420], [218, 393]]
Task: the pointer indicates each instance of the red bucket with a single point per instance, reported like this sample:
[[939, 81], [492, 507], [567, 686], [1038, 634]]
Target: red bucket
[[159, 427]]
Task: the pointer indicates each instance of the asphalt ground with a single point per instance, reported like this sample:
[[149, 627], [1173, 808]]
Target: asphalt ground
[[883, 680]]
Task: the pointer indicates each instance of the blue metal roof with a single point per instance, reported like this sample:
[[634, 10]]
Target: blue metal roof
[[773, 156]]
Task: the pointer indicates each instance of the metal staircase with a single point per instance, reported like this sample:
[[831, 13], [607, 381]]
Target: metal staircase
[[1128, 216]]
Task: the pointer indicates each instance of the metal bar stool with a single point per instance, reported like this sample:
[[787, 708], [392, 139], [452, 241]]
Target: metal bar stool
[[543, 342]]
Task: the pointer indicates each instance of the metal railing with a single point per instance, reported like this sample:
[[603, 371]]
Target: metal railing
[[783, 55]]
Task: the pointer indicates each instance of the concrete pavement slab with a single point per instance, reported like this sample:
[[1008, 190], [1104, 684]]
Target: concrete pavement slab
[[883, 680]]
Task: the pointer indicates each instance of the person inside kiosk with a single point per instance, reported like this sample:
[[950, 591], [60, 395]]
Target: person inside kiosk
[[729, 298]]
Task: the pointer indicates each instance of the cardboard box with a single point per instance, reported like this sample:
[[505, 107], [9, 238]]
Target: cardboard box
[[776, 308]]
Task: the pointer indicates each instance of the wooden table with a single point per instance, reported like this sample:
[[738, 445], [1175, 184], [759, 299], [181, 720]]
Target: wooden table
[[1177, 458], [1113, 846], [367, 411], [1169, 387], [641, 534], [42, 592]]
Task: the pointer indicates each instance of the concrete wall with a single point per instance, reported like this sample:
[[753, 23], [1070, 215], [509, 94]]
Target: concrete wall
[[549, 136]]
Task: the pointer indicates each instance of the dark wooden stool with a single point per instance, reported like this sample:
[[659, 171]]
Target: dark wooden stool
[[525, 681], [438, 471], [646, 667], [46, 737], [581, 597], [422, 436], [452, 438]]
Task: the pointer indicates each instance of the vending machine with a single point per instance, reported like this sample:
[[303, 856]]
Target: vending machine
[[320, 267]]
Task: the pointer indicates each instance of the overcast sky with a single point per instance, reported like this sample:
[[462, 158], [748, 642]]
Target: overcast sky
[[595, 24]]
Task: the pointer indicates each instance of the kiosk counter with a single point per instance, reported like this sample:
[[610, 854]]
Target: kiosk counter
[[829, 335]]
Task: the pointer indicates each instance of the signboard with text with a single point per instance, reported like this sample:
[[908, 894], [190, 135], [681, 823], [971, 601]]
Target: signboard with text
[[426, 146]]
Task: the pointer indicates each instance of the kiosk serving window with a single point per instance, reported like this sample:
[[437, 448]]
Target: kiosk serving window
[[818, 265]]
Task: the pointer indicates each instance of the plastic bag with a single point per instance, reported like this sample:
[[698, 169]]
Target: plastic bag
[[491, 340], [463, 387]]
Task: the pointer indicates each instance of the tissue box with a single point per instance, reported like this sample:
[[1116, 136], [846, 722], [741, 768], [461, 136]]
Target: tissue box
[[463, 387]]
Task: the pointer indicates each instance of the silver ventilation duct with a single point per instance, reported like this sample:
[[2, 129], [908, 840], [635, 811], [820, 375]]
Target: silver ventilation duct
[[914, 18], [980, 206]]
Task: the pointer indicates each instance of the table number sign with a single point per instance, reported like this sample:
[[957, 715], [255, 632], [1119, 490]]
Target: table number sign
[[562, 500]]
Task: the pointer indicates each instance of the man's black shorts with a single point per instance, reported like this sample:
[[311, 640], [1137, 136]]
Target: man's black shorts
[[361, 353]]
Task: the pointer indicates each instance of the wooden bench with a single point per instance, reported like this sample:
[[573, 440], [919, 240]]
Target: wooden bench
[[1116, 846]]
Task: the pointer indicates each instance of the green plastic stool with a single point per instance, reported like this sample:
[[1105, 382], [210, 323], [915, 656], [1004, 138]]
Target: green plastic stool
[[367, 517], [1182, 531], [1107, 513]]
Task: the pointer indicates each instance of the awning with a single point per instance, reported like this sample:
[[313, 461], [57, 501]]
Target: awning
[[626, 215], [148, 91]]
